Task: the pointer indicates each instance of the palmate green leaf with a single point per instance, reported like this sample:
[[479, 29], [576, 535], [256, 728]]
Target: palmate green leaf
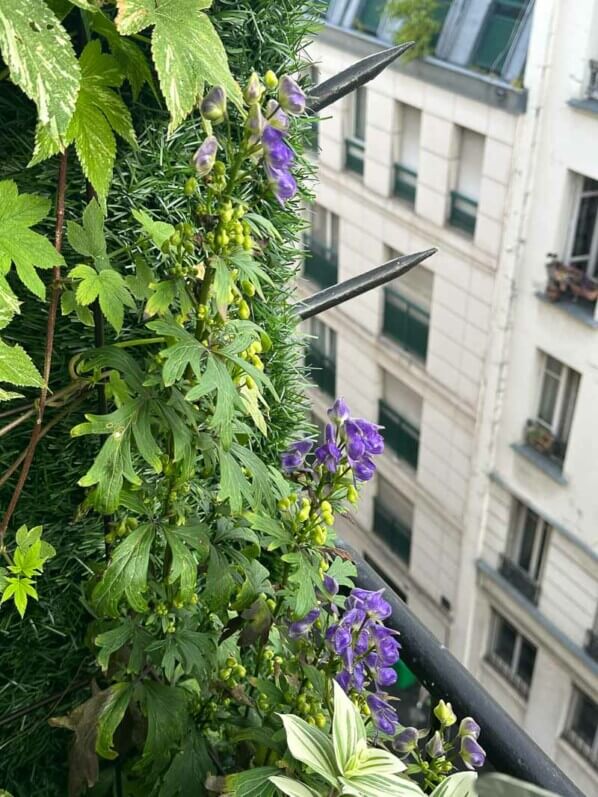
[[17, 368], [233, 483], [111, 641], [111, 715], [158, 231], [261, 492], [131, 58], [183, 567], [343, 572], [162, 298], [305, 576], [189, 767], [276, 533], [166, 710], [292, 788], [311, 746], [217, 378], [99, 113], [19, 589], [126, 575], [42, 61], [18, 243], [9, 304], [109, 470], [109, 287], [89, 239], [186, 50]]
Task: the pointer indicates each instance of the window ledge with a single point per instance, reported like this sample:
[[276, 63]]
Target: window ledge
[[587, 104], [573, 309], [572, 752], [443, 74], [541, 462]]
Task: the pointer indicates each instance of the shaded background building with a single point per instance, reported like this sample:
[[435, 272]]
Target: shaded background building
[[483, 363]]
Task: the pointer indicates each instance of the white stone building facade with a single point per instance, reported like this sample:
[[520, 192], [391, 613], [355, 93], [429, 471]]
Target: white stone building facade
[[484, 511]]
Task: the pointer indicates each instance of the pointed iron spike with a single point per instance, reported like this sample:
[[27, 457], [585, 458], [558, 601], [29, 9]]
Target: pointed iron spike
[[337, 294], [351, 78]]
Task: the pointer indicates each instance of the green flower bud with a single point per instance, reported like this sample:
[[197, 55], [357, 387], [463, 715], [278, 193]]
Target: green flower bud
[[270, 80], [254, 89], [444, 714], [213, 106]]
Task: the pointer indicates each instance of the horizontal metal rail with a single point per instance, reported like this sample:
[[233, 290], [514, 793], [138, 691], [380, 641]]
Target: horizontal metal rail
[[509, 748]]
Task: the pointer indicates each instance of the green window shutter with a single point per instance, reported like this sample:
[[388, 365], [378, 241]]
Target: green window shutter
[[498, 33], [368, 16], [439, 16], [406, 322], [390, 529]]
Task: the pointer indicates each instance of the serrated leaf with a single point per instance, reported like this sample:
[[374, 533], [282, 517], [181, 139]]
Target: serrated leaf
[[18, 243], [183, 567], [310, 746], [158, 231], [42, 61], [343, 571], [276, 533], [19, 589], [217, 378], [166, 709], [189, 767], [17, 368], [164, 294], [126, 575], [89, 239], [9, 304], [111, 641], [9, 395], [131, 58], [111, 716], [109, 287]]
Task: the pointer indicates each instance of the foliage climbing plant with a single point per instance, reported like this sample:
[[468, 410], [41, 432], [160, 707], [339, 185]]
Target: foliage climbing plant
[[170, 391]]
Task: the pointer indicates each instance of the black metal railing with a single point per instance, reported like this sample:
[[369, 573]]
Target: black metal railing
[[322, 370], [399, 434], [321, 264], [405, 183], [354, 155], [463, 212], [509, 748], [591, 645], [396, 535], [406, 322], [520, 579]]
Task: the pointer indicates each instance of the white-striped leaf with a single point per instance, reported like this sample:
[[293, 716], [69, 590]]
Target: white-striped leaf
[[348, 731], [310, 746]]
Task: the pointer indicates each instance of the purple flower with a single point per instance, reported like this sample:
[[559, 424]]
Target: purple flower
[[373, 440], [291, 95], [359, 676], [344, 679], [205, 157], [282, 183], [300, 627], [213, 105], [387, 648], [355, 442], [276, 117], [469, 727], [339, 638], [371, 602], [386, 676], [364, 470], [294, 457], [472, 753], [383, 714], [330, 585], [406, 740], [434, 747], [329, 454], [277, 152], [339, 412]]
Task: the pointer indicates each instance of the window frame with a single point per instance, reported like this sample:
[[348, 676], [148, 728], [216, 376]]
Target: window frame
[[591, 267], [565, 402], [541, 532], [569, 734], [327, 337], [510, 671], [487, 21], [359, 106]]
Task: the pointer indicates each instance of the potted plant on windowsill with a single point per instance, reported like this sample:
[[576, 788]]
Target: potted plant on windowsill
[[538, 437]]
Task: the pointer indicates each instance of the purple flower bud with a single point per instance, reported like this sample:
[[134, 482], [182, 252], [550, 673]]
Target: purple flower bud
[[364, 470], [282, 183], [255, 122], [291, 95], [277, 152], [294, 457], [329, 454], [386, 676], [339, 412], [371, 602], [406, 740], [435, 748], [254, 89], [355, 442], [340, 640], [472, 753], [205, 157], [358, 676], [344, 679], [469, 727], [300, 627], [383, 714], [213, 105], [276, 117], [330, 585]]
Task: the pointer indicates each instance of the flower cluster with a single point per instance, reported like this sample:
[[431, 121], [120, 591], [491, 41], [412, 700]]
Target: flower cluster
[[348, 442]]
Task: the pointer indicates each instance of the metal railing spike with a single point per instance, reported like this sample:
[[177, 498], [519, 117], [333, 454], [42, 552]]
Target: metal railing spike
[[337, 294], [324, 94]]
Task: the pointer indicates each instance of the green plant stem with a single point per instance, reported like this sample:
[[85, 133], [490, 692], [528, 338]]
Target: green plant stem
[[127, 344], [53, 402], [51, 326]]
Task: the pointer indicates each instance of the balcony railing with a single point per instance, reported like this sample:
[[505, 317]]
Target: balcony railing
[[504, 668], [520, 579], [321, 264], [508, 746], [463, 212], [354, 155], [399, 434], [591, 645], [323, 370], [405, 183], [406, 322], [395, 534]]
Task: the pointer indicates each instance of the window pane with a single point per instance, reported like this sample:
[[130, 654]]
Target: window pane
[[550, 388], [409, 140], [318, 224], [528, 537], [471, 156], [585, 719], [368, 16], [584, 229], [498, 33], [527, 658], [359, 118], [568, 407], [333, 233], [504, 642], [537, 565]]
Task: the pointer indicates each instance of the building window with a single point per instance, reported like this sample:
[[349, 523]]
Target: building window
[[498, 34], [368, 15], [321, 256], [582, 726], [591, 645], [320, 356], [549, 432], [468, 178], [385, 577], [439, 15], [393, 519], [407, 306], [512, 654], [355, 144], [405, 174], [526, 553], [400, 412], [583, 245]]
